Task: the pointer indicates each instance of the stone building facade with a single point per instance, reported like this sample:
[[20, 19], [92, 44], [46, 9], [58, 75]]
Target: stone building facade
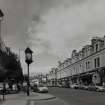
[[52, 77], [86, 66]]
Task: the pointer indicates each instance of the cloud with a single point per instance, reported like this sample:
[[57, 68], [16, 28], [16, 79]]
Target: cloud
[[58, 29]]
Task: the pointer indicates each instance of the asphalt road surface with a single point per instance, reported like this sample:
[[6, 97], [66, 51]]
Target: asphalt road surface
[[78, 97]]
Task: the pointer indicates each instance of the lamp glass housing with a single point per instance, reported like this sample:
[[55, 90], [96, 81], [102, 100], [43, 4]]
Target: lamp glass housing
[[28, 56]]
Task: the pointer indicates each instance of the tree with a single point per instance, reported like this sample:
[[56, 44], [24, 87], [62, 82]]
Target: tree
[[12, 66]]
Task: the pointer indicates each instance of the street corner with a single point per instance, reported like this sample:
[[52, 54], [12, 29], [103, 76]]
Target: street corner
[[34, 96], [54, 101], [22, 99], [40, 96]]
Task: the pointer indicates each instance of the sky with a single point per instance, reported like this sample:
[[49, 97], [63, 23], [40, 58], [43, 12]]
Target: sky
[[51, 28]]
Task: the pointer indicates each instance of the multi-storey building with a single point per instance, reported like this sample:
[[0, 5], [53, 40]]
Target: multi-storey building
[[52, 77], [86, 66]]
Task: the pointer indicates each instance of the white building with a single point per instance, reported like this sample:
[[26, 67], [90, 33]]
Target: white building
[[85, 65], [52, 77]]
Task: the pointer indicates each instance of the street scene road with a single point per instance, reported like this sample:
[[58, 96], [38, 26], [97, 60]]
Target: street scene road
[[79, 97], [33, 99], [52, 52]]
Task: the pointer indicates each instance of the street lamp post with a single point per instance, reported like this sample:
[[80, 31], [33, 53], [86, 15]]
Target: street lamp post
[[28, 60]]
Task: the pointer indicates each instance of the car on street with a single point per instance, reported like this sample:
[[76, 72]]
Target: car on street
[[91, 88], [84, 87], [100, 88], [42, 88], [74, 86], [59, 85], [97, 88]]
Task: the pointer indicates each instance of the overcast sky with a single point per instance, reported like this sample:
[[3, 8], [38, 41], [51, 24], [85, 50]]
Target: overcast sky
[[52, 28]]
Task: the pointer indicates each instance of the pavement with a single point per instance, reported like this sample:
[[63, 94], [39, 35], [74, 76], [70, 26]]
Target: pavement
[[34, 99]]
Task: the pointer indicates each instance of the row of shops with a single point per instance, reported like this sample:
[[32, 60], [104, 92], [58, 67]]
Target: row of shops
[[96, 77], [84, 67]]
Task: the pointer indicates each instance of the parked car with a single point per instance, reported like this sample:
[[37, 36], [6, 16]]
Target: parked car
[[74, 86], [84, 87], [100, 88], [97, 88], [59, 85], [91, 88], [42, 89]]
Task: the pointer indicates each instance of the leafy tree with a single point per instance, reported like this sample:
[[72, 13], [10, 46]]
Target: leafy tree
[[12, 66]]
